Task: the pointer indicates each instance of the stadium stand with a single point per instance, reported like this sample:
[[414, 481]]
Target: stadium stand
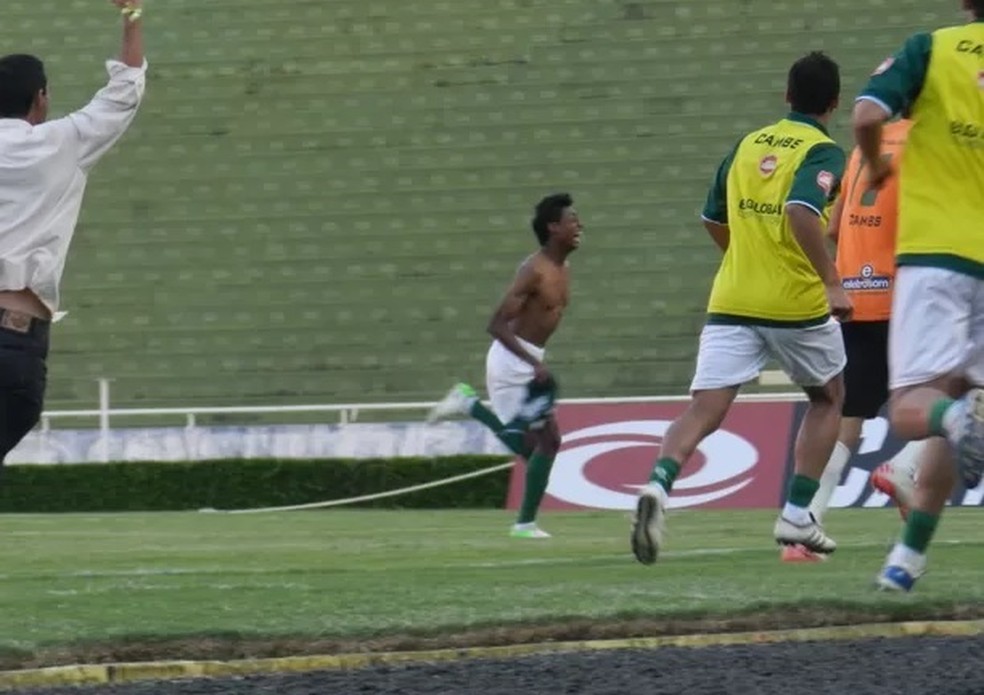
[[322, 200]]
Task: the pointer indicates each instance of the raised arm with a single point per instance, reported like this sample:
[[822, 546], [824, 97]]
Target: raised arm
[[100, 123]]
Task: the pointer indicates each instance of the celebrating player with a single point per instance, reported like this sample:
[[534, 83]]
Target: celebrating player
[[520, 386]]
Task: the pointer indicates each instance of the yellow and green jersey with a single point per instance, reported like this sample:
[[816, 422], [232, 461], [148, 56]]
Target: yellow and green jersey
[[939, 77], [765, 278]]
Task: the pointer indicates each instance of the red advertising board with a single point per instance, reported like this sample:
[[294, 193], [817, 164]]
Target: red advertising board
[[609, 450]]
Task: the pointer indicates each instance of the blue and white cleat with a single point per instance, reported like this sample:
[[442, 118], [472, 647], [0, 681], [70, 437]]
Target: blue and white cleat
[[899, 575], [970, 446]]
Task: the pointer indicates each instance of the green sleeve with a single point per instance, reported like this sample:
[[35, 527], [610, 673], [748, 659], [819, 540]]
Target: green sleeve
[[898, 81], [716, 207], [818, 179]]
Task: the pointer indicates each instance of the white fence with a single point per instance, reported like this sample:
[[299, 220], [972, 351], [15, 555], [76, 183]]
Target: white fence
[[102, 445]]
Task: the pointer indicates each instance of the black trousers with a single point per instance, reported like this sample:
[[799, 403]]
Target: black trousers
[[23, 376]]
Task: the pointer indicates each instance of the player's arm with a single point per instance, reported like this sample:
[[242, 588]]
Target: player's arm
[[817, 181], [99, 124], [833, 229], [893, 88], [522, 289], [715, 214]]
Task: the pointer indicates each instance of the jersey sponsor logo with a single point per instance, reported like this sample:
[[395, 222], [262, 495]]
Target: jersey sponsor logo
[[758, 207], [864, 220], [775, 140], [768, 165], [867, 281], [884, 65], [971, 47], [825, 180], [966, 132]]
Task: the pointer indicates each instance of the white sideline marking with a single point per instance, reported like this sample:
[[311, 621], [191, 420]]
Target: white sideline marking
[[696, 552]]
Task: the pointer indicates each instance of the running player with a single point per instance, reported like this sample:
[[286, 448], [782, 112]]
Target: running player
[[773, 296], [864, 226], [936, 337], [520, 386]]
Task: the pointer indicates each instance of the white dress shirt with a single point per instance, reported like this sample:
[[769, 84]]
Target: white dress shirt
[[43, 174]]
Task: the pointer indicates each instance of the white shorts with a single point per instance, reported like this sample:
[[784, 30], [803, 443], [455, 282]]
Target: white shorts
[[937, 326], [735, 355], [507, 378]]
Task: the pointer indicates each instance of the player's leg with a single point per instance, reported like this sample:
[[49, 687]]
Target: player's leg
[[728, 357], [847, 441], [937, 475], [22, 384], [507, 378], [538, 466], [865, 392], [932, 348], [814, 358], [938, 306]]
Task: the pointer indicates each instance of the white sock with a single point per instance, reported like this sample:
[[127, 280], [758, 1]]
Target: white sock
[[907, 461], [904, 556], [796, 515], [829, 480], [955, 420]]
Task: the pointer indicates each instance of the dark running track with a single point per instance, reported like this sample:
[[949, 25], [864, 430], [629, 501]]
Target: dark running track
[[909, 666]]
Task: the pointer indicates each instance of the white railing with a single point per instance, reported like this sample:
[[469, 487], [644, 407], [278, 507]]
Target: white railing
[[347, 412]]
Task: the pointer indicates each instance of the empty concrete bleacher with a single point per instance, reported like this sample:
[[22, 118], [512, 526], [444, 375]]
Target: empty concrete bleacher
[[321, 202]]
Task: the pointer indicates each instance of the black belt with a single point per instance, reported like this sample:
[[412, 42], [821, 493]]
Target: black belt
[[23, 323]]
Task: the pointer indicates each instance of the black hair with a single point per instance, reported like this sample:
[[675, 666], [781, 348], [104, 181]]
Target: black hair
[[21, 78], [814, 84], [548, 211], [977, 6]]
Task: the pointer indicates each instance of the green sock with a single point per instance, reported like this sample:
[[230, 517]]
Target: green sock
[[537, 475], [802, 490], [919, 530], [513, 439], [665, 472], [936, 414]]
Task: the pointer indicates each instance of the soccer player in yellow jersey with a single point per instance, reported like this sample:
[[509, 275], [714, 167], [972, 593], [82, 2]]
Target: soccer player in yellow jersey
[[936, 337], [773, 296]]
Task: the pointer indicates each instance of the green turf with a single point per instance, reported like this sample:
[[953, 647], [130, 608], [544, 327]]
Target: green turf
[[91, 578]]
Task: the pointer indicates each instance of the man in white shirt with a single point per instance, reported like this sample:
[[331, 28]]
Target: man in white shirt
[[44, 166]]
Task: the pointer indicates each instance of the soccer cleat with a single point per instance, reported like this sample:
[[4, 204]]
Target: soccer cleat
[[970, 446], [809, 535], [896, 484], [900, 575], [530, 530], [800, 553], [458, 402], [648, 524]]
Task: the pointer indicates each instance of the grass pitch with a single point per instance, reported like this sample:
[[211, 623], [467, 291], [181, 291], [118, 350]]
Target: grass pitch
[[185, 585]]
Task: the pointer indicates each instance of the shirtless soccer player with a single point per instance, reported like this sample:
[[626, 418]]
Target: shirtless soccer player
[[520, 387]]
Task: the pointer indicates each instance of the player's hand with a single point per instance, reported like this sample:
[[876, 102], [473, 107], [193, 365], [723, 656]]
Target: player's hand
[[840, 304], [540, 373], [879, 172], [122, 4]]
